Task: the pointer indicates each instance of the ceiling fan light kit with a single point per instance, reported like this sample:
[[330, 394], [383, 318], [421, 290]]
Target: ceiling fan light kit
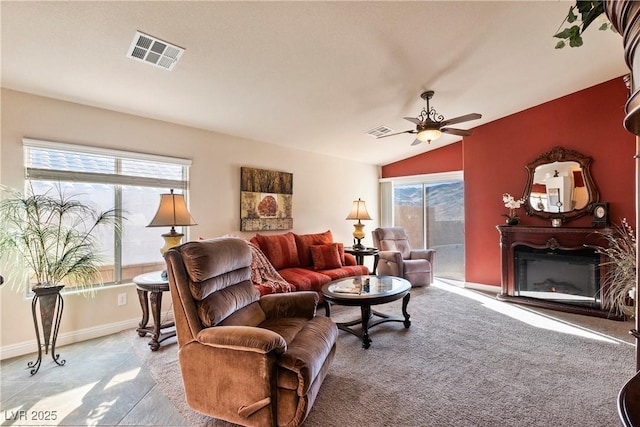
[[428, 135], [430, 125]]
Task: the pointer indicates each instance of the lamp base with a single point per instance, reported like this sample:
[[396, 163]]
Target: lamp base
[[358, 246], [358, 234], [171, 239]]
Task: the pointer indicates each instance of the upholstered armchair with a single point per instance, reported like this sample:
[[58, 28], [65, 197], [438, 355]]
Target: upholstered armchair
[[246, 359], [396, 258]]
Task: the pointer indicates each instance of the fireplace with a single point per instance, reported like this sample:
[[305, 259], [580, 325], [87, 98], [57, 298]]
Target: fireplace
[[569, 277], [553, 267]]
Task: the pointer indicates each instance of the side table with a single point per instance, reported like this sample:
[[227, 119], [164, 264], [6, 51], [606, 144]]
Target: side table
[[153, 283], [361, 253]]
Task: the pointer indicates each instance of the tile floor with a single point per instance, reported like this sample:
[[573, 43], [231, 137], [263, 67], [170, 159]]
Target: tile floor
[[102, 383]]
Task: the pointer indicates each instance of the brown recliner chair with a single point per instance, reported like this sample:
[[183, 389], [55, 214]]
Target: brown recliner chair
[[245, 359], [396, 258]]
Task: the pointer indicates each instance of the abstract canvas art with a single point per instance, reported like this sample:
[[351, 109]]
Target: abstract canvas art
[[265, 200]]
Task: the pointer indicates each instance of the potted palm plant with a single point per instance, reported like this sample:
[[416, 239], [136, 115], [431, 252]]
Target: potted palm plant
[[48, 242], [619, 280]]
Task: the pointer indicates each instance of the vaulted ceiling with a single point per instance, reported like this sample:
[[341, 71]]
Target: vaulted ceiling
[[311, 75]]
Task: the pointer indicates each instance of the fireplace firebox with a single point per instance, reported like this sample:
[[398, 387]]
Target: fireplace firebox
[[553, 267], [569, 277]]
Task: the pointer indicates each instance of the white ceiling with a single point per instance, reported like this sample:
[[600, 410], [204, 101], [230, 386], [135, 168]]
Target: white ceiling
[[315, 76]]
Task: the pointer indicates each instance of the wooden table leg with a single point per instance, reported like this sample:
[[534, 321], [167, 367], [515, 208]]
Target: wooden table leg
[[144, 305], [405, 303], [327, 308], [156, 304], [366, 315]]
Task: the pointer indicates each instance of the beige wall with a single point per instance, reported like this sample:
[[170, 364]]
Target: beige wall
[[324, 188]]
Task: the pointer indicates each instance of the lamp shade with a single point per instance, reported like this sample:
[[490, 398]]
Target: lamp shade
[[358, 211], [172, 212]]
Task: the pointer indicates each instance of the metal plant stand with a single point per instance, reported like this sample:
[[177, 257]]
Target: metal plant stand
[[50, 304]]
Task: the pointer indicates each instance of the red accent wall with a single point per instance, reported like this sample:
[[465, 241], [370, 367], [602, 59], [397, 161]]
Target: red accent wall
[[444, 159], [588, 121]]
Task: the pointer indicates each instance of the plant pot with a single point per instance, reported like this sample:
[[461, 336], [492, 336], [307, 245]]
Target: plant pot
[[50, 304], [513, 221]]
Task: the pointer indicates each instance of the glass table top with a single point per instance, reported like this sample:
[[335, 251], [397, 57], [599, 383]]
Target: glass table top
[[366, 286]]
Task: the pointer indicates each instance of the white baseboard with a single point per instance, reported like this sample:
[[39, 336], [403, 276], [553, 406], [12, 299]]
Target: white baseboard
[[469, 285], [482, 287], [28, 347]]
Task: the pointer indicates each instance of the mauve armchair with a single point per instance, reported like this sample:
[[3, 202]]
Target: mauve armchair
[[246, 359], [396, 258]]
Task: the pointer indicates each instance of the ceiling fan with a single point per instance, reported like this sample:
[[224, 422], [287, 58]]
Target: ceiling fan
[[430, 125]]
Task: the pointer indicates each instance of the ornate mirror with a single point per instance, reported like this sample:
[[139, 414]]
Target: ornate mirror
[[559, 185]]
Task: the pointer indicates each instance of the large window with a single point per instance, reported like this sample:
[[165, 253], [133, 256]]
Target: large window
[[431, 209], [105, 179]]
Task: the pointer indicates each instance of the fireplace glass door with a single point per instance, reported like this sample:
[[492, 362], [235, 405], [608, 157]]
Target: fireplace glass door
[[570, 277]]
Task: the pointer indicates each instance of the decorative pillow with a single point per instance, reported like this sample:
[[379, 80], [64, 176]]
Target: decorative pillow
[[281, 249], [341, 252], [304, 242], [326, 257]]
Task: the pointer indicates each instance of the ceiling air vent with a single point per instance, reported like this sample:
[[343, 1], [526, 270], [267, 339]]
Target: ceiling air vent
[[379, 131], [154, 51]]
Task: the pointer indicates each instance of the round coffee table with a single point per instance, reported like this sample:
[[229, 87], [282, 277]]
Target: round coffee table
[[363, 292]]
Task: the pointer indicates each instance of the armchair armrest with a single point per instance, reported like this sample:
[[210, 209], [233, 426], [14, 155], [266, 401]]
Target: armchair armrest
[[242, 338], [293, 304], [391, 256], [428, 254]]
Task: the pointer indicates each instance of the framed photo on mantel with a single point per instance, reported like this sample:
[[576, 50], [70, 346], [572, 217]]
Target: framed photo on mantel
[[265, 200]]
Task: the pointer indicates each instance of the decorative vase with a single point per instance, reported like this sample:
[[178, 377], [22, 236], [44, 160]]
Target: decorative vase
[[513, 221], [50, 304]]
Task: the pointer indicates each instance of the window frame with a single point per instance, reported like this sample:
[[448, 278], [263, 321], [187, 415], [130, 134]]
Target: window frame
[[117, 179], [387, 197]]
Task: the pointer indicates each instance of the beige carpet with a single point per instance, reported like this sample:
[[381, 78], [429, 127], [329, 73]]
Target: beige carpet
[[467, 360]]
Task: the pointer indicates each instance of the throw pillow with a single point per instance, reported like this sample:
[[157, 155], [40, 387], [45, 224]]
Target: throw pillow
[[280, 249], [304, 242], [326, 257]]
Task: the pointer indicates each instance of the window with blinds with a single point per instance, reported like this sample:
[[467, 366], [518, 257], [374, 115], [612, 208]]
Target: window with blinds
[[104, 178]]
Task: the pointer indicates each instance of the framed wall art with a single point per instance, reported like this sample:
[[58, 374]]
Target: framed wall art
[[265, 200]]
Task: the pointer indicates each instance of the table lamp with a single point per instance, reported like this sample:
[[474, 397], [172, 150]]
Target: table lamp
[[172, 212], [358, 211]]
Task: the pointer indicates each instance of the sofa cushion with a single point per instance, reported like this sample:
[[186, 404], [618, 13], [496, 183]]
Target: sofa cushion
[[305, 279], [326, 256], [304, 243], [345, 271], [202, 263], [308, 346], [281, 249], [218, 305]]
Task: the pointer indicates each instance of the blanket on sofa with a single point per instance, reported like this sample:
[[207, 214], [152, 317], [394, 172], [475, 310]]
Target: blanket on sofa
[[264, 274]]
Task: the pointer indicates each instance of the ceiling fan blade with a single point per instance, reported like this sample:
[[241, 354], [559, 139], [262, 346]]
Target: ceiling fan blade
[[454, 131], [465, 118], [397, 133], [413, 120], [416, 142]]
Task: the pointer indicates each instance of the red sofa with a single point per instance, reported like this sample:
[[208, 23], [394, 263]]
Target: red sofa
[[306, 261]]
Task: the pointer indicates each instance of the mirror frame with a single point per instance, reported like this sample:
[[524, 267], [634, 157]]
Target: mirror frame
[[559, 154]]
